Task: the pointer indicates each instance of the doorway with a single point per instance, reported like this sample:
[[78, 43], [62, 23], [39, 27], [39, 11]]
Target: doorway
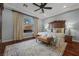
[[1, 8]]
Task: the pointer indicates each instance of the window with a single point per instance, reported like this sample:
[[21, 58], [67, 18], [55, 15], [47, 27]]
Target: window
[[28, 21], [28, 24]]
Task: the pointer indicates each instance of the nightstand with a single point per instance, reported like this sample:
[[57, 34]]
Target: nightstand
[[68, 38]]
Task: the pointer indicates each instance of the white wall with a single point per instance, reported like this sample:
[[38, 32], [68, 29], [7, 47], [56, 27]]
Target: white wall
[[71, 18], [7, 26]]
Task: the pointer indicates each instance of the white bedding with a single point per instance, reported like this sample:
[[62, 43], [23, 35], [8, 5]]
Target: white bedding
[[48, 34], [51, 34], [58, 37]]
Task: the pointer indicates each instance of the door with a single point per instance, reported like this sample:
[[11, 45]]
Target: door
[[1, 8]]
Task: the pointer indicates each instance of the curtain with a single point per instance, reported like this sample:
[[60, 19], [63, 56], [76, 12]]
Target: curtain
[[35, 30], [17, 26]]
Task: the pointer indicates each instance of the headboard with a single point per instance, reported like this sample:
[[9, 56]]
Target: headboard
[[57, 26]]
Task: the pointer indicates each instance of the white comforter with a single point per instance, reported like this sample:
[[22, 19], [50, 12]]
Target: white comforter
[[51, 34], [58, 37]]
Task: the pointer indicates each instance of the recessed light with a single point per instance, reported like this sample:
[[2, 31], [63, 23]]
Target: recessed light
[[65, 6]]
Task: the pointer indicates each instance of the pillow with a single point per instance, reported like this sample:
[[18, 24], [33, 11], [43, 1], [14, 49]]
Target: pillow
[[60, 35], [43, 33], [58, 30]]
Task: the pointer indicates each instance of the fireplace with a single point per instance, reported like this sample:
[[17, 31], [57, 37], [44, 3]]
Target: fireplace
[[26, 31]]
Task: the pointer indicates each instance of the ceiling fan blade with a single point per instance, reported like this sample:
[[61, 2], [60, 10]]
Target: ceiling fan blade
[[37, 9], [47, 7], [36, 4], [42, 10], [44, 4]]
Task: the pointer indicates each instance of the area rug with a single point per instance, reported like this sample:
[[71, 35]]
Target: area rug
[[32, 48]]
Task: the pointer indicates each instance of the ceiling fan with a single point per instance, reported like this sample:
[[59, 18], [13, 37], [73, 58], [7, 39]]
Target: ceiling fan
[[42, 6]]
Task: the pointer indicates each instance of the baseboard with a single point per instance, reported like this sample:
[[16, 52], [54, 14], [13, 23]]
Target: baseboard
[[6, 40], [75, 40], [16, 41]]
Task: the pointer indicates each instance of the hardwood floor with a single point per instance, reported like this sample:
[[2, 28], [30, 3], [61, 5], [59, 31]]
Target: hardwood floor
[[72, 48]]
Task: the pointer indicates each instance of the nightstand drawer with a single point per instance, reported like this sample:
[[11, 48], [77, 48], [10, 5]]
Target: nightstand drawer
[[68, 38]]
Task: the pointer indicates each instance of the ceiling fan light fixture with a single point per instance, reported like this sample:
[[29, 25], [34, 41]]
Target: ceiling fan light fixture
[[25, 5]]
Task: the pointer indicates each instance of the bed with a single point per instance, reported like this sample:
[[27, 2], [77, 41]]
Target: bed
[[57, 34], [45, 37], [49, 37]]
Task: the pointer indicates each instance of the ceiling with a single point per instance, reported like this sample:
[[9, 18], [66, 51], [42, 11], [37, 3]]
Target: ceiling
[[57, 8]]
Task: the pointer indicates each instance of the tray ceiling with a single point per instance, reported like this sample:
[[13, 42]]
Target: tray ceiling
[[57, 8]]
